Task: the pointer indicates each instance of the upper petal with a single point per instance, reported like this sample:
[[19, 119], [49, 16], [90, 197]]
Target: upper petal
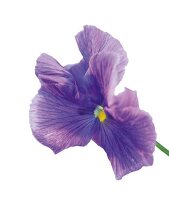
[[102, 66], [92, 40], [88, 86], [108, 69], [128, 136], [55, 77], [78, 71], [58, 123]]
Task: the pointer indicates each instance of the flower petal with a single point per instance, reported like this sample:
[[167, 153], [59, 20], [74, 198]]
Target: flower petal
[[88, 86], [128, 136], [55, 77], [92, 41], [103, 64], [126, 99], [57, 123], [78, 71], [107, 69]]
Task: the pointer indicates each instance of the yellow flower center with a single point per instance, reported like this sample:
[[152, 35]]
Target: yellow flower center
[[100, 114]]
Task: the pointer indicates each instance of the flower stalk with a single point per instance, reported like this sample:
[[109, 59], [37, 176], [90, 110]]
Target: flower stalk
[[162, 148]]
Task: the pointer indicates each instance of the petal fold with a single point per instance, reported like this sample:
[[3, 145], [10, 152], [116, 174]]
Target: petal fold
[[78, 71], [55, 77], [123, 101], [126, 99]]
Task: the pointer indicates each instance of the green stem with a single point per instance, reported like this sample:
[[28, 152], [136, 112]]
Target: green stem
[[162, 148]]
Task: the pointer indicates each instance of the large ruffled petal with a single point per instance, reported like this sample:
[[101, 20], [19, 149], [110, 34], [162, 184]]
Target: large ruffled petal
[[59, 116], [106, 57], [59, 123], [102, 67], [127, 136]]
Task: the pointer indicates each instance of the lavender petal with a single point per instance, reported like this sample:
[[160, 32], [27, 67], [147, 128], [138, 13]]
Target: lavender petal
[[128, 135], [58, 123]]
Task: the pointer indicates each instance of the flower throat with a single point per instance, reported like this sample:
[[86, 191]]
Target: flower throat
[[100, 114]]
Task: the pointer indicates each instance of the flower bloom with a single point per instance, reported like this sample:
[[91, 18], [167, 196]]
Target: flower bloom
[[76, 104]]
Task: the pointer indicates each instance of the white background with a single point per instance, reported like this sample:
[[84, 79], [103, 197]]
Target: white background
[[29, 170]]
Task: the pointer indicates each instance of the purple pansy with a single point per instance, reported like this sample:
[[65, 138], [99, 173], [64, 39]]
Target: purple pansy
[[76, 104]]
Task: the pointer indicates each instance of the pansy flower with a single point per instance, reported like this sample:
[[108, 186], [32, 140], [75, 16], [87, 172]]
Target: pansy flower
[[76, 104]]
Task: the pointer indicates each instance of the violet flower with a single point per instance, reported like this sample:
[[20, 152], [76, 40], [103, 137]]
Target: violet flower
[[76, 104]]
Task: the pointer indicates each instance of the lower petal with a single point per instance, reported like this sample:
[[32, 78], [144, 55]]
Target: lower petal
[[58, 124], [129, 144]]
